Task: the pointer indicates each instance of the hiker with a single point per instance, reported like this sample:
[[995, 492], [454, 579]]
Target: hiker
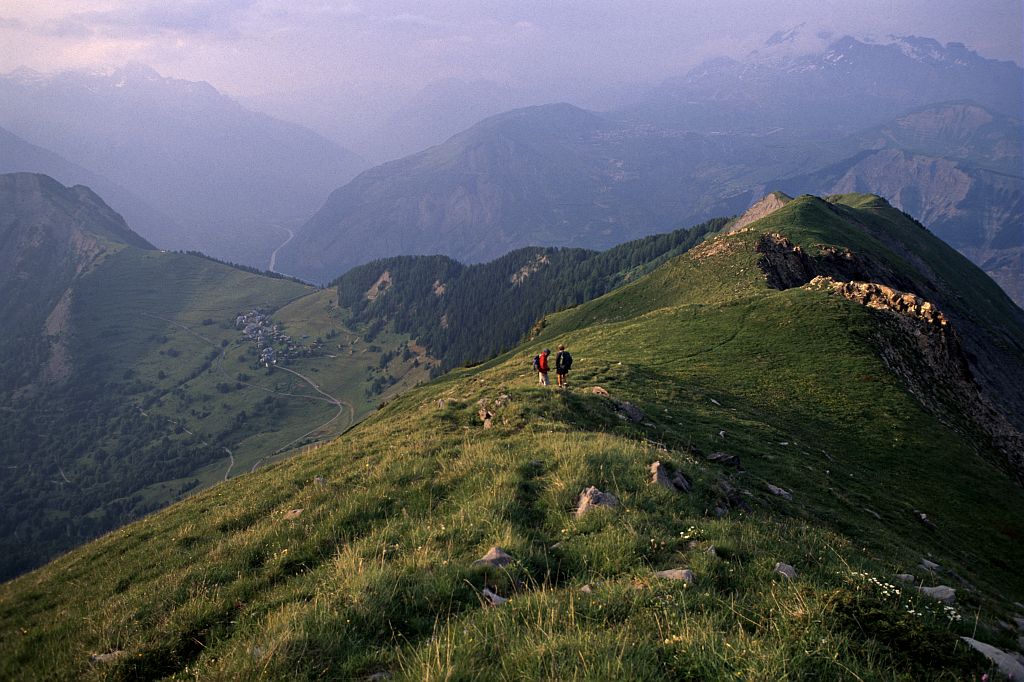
[[563, 363], [540, 363]]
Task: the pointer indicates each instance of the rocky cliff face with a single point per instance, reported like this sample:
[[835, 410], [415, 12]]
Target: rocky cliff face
[[948, 357], [49, 236]]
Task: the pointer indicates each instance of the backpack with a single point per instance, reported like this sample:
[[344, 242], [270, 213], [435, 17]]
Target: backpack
[[566, 360], [536, 363]]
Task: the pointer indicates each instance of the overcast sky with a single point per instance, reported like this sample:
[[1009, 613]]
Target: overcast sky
[[250, 47]]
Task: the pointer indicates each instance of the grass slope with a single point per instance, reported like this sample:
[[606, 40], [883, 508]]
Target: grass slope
[[166, 396], [376, 573]]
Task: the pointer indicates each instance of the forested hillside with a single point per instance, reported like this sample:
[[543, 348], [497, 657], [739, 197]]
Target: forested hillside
[[463, 313]]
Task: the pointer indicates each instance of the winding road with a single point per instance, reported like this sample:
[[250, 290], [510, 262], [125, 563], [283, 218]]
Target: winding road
[[342, 404], [273, 256]]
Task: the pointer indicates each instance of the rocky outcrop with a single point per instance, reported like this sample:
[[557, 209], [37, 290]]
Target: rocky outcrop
[[683, 574], [591, 498], [927, 354], [785, 264], [675, 481], [496, 557], [765, 207]]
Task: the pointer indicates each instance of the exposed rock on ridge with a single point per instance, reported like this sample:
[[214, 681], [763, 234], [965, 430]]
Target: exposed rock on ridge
[[766, 206]]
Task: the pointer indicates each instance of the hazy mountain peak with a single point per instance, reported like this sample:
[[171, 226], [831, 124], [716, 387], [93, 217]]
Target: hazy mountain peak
[[786, 36]]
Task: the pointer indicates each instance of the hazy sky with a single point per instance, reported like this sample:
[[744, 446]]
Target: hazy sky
[[249, 47]]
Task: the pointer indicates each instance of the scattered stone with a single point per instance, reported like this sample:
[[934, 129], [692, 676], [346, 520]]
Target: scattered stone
[[785, 570], [781, 492], [906, 578], [942, 593], [1003, 625], [495, 557], [719, 512], [108, 657], [632, 412], [873, 513], [1007, 663], [493, 598], [684, 574], [1019, 620], [733, 498], [488, 423], [721, 434], [724, 459], [715, 402], [676, 481], [592, 497], [681, 481], [441, 404], [597, 390], [712, 551], [923, 518], [557, 545], [586, 589], [929, 565], [378, 677], [292, 514], [320, 481]]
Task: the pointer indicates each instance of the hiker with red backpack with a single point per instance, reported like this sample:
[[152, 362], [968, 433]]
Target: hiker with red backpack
[[540, 364]]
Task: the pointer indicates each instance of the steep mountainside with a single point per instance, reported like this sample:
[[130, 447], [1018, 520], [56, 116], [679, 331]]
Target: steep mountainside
[[127, 379], [957, 167], [19, 156], [766, 430], [552, 176], [49, 236], [230, 178]]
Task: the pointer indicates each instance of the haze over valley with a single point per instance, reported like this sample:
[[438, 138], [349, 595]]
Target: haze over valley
[[275, 283]]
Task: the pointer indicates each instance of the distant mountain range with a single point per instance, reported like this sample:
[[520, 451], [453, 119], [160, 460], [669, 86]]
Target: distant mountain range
[[705, 145], [229, 180]]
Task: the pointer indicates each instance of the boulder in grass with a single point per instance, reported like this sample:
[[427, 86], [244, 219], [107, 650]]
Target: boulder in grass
[[724, 459], [906, 578], [929, 565], [675, 481], [781, 492], [785, 570], [1008, 664], [684, 574], [496, 557], [597, 390], [108, 657], [591, 498], [493, 598], [942, 593], [293, 514], [631, 411]]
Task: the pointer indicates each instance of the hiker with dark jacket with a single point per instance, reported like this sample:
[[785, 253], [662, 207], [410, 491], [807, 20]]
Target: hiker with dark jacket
[[540, 363], [563, 363]]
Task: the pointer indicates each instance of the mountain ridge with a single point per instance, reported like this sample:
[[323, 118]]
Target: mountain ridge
[[804, 449]]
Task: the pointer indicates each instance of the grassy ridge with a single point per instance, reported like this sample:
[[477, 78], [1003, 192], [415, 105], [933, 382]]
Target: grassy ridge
[[376, 573]]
